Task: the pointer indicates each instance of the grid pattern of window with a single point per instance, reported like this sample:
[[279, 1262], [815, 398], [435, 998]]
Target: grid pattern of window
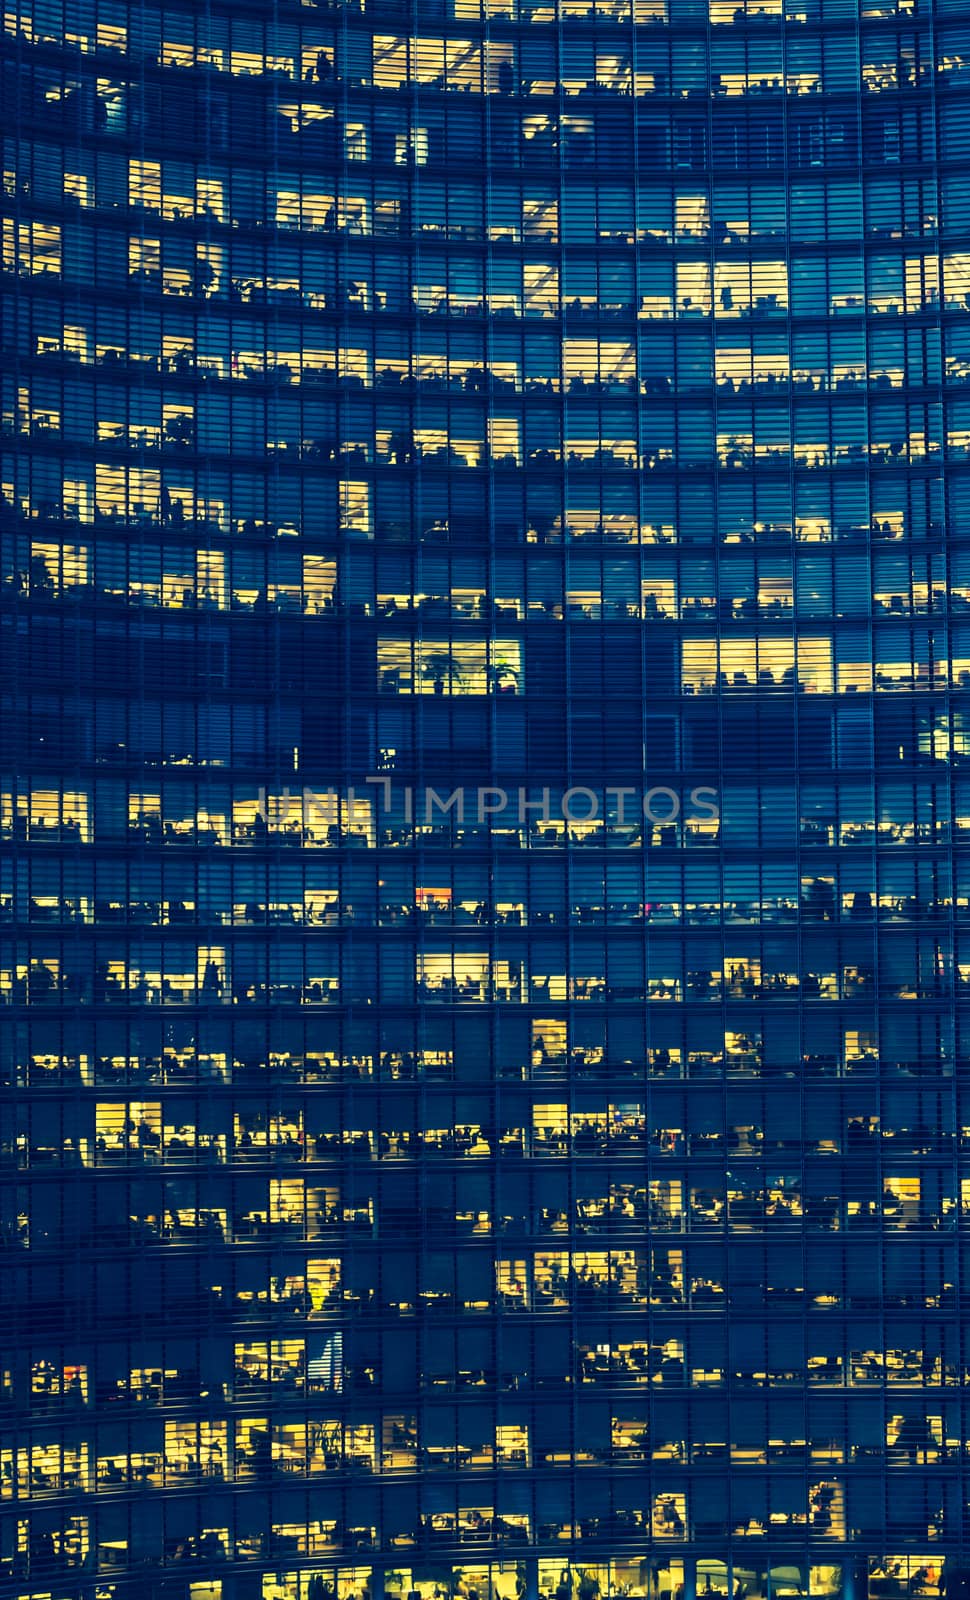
[[484, 796]]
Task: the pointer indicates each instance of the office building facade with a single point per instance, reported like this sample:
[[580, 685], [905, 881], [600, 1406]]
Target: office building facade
[[485, 945]]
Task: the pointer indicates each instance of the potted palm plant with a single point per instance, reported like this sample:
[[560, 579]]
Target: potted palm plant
[[504, 677], [440, 669]]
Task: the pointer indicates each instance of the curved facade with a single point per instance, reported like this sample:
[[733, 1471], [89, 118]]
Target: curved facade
[[486, 612]]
